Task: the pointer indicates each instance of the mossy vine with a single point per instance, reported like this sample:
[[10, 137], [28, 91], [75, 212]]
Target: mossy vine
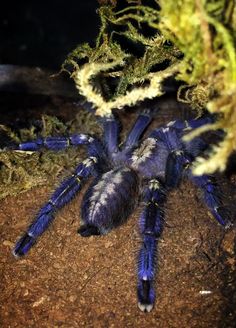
[[192, 40]]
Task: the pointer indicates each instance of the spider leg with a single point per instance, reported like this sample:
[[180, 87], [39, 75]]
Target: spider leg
[[175, 164], [212, 197], [191, 124], [151, 226], [62, 195], [55, 143], [138, 128], [94, 146], [111, 133]]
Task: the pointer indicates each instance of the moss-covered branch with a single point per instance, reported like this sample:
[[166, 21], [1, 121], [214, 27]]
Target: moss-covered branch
[[20, 170], [193, 40]]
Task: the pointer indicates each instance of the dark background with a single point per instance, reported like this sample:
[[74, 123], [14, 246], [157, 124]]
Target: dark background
[[36, 33], [42, 33]]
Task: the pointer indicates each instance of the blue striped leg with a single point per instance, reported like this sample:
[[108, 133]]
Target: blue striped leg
[[56, 143], [137, 130], [62, 195], [151, 226], [111, 133], [212, 197]]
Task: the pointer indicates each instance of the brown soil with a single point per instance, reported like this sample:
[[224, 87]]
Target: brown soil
[[70, 281]]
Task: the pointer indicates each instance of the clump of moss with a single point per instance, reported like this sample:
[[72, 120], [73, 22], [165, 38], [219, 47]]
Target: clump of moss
[[20, 171], [193, 40]]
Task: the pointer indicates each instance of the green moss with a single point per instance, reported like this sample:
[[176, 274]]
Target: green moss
[[20, 171], [193, 40]]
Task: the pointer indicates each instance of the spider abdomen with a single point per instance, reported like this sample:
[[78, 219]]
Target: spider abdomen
[[109, 201]]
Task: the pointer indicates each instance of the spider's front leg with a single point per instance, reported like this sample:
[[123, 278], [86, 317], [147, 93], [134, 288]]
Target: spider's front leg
[[175, 165], [55, 143], [151, 226], [140, 125], [63, 194], [111, 133]]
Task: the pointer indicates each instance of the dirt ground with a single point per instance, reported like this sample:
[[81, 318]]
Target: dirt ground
[[70, 281]]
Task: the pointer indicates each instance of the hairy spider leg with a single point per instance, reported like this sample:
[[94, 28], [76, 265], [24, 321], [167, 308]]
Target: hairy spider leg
[[196, 145], [62, 195], [173, 132], [175, 165], [190, 124], [212, 197], [137, 130], [175, 158], [94, 147], [179, 153], [151, 226], [111, 133], [56, 143]]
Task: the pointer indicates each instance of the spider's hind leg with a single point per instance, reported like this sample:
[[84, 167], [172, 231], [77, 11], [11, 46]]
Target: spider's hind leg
[[151, 226]]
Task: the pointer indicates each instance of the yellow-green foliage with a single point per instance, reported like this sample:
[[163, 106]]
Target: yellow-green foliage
[[201, 54], [205, 31], [20, 171]]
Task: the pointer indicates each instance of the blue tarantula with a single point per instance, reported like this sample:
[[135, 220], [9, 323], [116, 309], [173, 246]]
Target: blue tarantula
[[123, 174]]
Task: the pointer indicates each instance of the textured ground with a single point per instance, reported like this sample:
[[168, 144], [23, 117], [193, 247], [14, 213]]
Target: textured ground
[[70, 281]]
